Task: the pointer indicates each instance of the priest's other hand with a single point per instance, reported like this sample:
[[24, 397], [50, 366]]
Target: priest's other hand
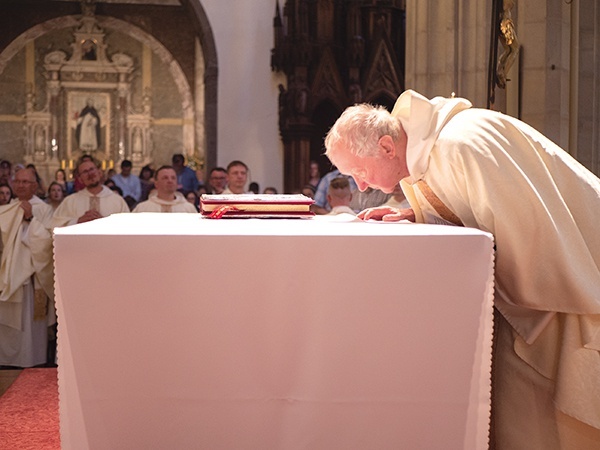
[[387, 214]]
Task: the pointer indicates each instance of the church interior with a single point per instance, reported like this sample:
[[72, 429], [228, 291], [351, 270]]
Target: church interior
[[197, 78], [262, 81]]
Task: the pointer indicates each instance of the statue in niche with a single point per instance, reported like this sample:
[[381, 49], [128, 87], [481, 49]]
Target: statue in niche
[[284, 106], [88, 127], [88, 50], [137, 144], [509, 41], [39, 140]]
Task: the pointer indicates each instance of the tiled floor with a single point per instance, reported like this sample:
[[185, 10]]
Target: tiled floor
[[7, 376]]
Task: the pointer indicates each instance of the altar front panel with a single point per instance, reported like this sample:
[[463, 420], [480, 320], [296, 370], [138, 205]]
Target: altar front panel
[[182, 332]]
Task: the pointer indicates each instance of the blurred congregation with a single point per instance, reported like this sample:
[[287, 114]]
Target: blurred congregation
[[329, 192]]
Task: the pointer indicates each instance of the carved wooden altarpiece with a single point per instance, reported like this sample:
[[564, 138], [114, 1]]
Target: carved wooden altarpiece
[[334, 53]]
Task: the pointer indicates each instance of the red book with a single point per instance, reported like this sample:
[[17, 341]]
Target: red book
[[256, 205]]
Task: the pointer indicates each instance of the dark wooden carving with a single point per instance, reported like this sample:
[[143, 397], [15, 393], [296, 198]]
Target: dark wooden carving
[[334, 53]]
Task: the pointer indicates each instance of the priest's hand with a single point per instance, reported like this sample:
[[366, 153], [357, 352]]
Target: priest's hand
[[27, 210], [90, 215], [387, 214]]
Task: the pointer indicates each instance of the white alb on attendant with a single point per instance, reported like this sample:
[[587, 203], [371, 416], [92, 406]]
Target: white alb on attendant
[[154, 204], [26, 284], [493, 172]]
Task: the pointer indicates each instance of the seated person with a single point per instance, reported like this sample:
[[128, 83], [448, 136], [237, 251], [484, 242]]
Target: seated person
[[321, 205], [339, 196]]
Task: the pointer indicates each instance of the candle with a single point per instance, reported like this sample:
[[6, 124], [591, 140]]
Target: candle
[[70, 164], [112, 164], [63, 164], [104, 164]]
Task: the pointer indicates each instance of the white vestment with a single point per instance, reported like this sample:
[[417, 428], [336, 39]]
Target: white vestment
[[76, 205], [490, 171], [26, 284], [154, 204], [342, 209]]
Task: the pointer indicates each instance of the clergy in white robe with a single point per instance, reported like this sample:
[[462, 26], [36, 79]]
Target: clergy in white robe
[[26, 276], [166, 198], [478, 168], [93, 202]]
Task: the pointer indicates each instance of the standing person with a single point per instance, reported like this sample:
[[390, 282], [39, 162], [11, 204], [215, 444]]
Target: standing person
[[217, 179], [166, 198], [193, 199], [186, 177], [479, 168], [5, 171], [339, 197], [26, 276], [92, 202], [314, 173], [56, 195], [129, 184], [237, 177], [6, 194], [60, 177], [146, 181]]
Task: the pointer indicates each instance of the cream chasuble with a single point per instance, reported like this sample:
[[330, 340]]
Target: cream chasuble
[[497, 174], [154, 204], [106, 202]]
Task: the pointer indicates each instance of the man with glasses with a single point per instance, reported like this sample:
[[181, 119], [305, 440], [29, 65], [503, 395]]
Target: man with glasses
[[91, 203], [217, 179]]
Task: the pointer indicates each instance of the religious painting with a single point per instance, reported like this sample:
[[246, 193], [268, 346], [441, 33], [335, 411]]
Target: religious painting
[[88, 123]]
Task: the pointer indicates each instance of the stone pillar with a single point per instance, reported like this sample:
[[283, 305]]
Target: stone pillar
[[447, 48]]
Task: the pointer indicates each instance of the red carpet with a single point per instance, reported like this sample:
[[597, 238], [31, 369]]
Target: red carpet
[[29, 412]]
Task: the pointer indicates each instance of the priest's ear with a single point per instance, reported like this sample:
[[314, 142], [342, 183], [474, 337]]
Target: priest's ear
[[387, 147]]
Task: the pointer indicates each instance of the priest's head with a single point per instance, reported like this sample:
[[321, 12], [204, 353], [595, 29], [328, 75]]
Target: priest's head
[[369, 144], [165, 181], [89, 174], [25, 184]]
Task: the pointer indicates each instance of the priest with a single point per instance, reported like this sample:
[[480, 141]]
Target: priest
[[91, 203], [464, 166], [26, 276], [165, 197]]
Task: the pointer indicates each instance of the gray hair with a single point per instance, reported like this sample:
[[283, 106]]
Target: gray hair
[[359, 129]]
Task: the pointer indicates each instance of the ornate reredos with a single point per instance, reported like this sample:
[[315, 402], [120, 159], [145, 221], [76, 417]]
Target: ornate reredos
[[89, 61]]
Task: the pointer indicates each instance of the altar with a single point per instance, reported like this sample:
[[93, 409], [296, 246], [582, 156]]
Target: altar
[[176, 331]]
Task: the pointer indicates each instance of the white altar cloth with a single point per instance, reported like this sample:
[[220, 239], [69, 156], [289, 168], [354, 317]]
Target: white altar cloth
[[176, 331]]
